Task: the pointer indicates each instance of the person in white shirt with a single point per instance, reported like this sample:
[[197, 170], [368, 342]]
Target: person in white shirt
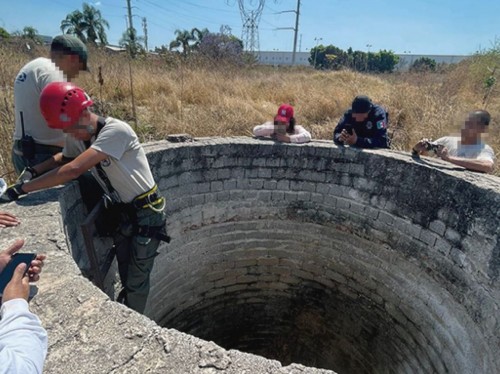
[[467, 150], [23, 341], [283, 128], [68, 56]]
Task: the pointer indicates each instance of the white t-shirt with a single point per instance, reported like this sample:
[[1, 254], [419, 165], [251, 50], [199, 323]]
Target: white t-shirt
[[127, 167], [23, 340], [29, 83], [300, 135], [480, 151]]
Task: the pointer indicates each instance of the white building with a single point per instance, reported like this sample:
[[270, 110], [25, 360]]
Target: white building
[[301, 58]]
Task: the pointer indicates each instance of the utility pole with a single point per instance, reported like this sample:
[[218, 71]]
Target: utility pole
[[145, 29], [295, 29], [130, 26], [131, 46], [296, 32]]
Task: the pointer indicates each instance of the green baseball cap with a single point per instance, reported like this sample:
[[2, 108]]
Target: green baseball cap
[[69, 44]]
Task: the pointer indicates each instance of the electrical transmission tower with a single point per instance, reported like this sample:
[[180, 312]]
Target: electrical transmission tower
[[251, 19]]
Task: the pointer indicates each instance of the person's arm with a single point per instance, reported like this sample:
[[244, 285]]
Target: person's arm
[[67, 172], [23, 341], [51, 163], [341, 125], [31, 172], [301, 136], [482, 165], [55, 177], [266, 129]]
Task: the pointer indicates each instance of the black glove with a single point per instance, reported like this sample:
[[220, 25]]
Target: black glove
[[13, 192], [27, 174]]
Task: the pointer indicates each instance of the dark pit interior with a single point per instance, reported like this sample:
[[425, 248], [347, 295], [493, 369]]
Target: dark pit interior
[[329, 257], [322, 298]]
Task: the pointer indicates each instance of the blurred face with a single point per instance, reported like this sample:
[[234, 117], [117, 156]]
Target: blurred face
[[473, 128], [80, 130], [280, 127], [69, 64], [360, 117]]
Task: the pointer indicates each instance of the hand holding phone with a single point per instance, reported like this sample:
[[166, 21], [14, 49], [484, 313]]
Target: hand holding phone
[[8, 272]]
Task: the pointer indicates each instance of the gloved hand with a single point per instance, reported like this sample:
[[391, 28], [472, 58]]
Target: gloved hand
[[27, 174], [13, 192]]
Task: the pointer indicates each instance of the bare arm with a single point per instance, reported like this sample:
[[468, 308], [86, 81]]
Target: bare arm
[[485, 166], [49, 164], [67, 172]]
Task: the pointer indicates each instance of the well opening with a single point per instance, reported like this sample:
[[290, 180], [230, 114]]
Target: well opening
[[333, 258]]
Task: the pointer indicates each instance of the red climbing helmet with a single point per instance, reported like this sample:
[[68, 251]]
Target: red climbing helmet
[[62, 103]]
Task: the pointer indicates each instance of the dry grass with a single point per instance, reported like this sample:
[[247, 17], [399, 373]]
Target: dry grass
[[176, 96]]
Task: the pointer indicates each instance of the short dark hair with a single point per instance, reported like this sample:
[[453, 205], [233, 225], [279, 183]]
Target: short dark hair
[[482, 116]]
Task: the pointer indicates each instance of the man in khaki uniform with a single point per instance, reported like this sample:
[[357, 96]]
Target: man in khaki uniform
[[111, 149]]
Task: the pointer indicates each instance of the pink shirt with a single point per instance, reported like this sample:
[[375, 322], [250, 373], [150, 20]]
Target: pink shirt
[[300, 135]]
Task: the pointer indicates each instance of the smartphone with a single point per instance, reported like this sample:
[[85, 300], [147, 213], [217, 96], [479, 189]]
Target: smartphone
[[8, 271]]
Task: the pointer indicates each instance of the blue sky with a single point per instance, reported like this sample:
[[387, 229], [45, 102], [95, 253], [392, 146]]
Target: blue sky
[[447, 27]]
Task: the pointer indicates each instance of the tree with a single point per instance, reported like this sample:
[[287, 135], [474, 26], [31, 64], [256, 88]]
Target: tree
[[220, 47], [30, 32], [382, 61], [132, 43], [73, 24], [4, 34], [423, 64], [328, 57], [187, 40], [94, 25], [331, 57], [88, 26]]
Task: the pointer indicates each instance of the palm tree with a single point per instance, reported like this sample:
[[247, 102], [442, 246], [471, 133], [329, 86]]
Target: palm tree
[[182, 40], [73, 24], [87, 25], [94, 24], [188, 40], [132, 43], [198, 36]]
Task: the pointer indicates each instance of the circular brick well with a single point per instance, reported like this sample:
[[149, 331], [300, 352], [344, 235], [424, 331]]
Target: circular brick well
[[352, 260]]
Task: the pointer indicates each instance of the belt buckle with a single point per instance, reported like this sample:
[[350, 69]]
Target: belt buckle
[[152, 198]]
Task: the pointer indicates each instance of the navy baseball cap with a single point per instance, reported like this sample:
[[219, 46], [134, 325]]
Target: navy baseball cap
[[361, 104]]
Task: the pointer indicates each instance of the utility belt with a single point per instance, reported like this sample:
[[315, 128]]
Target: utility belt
[[28, 148], [118, 213], [149, 199]]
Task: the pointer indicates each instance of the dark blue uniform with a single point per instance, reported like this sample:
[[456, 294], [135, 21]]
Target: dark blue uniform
[[372, 132]]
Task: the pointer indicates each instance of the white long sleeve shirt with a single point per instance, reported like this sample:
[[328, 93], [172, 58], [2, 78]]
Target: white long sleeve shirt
[[300, 135], [23, 341]]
